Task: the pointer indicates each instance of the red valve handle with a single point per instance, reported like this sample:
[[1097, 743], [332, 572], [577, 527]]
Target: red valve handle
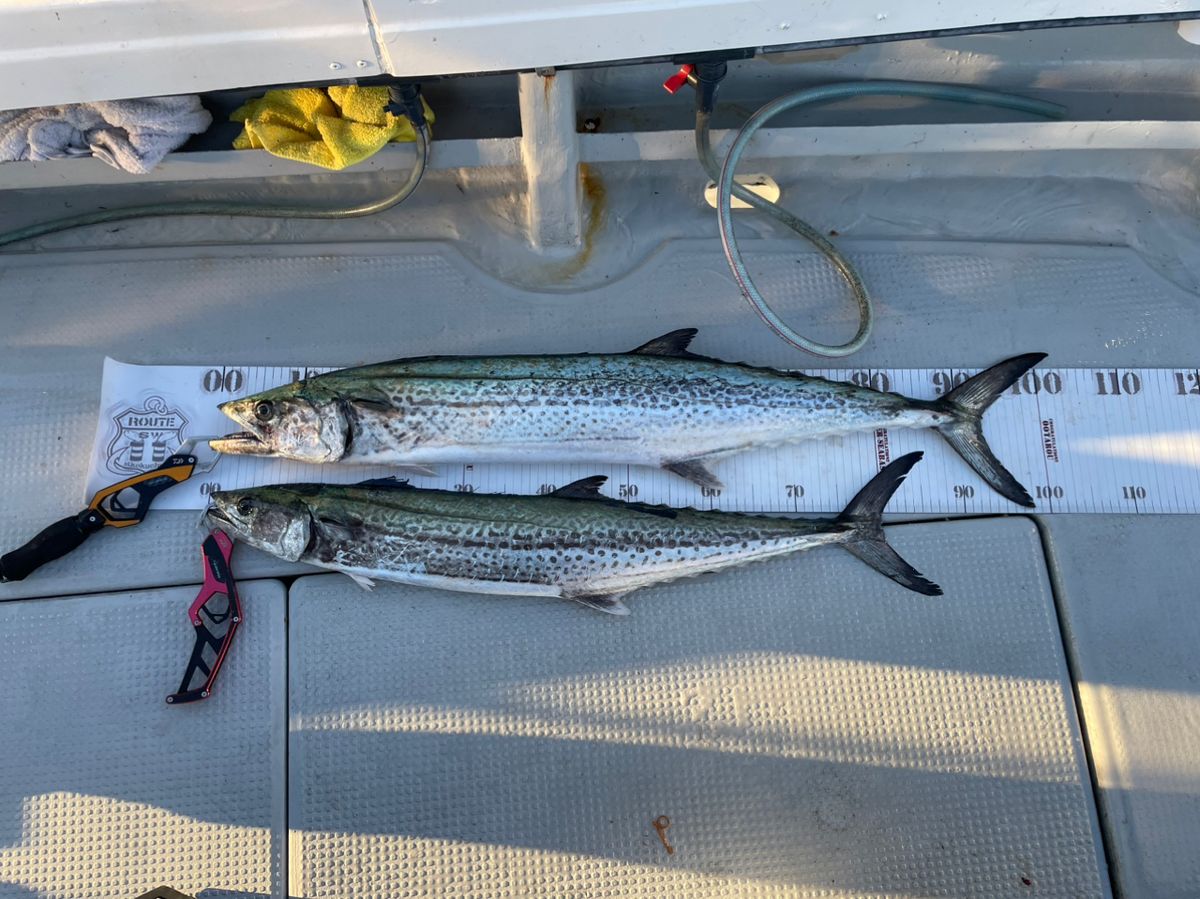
[[679, 79]]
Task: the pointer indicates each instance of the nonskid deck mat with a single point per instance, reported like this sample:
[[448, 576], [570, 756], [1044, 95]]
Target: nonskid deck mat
[[105, 789], [1080, 440], [798, 728]]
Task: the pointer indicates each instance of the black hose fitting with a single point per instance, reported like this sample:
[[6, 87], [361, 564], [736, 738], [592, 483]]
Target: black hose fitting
[[707, 77], [404, 98]]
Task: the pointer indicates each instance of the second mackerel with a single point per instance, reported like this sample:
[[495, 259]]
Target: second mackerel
[[572, 543], [658, 405]]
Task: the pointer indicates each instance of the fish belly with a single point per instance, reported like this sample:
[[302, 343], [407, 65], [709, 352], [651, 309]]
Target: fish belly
[[588, 558]]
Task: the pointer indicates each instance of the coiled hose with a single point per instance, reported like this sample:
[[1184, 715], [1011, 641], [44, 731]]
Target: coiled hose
[[252, 210], [727, 188]]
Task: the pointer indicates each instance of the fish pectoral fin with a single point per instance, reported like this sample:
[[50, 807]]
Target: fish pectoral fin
[[370, 398], [424, 471], [584, 488], [601, 602], [344, 522], [673, 344], [338, 530], [696, 472], [399, 483], [361, 579]]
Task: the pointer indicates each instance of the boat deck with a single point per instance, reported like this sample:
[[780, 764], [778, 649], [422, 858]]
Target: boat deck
[[809, 728]]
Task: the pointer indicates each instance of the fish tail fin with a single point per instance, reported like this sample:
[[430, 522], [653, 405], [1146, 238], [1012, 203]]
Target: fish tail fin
[[866, 540], [966, 405]]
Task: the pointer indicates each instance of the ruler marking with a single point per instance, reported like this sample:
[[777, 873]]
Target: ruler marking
[[1037, 400], [1124, 440]]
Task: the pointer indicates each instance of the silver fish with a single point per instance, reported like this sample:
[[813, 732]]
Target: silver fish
[[573, 543], [658, 405]]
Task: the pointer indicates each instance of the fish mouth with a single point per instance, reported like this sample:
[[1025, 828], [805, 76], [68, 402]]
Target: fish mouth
[[242, 443], [214, 517]]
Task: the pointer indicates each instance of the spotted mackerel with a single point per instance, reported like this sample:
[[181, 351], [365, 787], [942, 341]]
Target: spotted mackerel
[[658, 405], [573, 543]]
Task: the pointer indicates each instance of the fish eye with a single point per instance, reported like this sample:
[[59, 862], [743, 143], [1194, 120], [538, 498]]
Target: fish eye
[[245, 506], [264, 411]]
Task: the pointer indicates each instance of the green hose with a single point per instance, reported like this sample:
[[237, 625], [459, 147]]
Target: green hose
[[728, 188], [251, 210]]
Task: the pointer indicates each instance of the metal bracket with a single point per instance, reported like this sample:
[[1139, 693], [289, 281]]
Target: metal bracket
[[550, 154]]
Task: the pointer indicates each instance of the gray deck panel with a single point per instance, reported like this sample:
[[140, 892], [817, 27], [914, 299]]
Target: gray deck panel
[[105, 790], [810, 728]]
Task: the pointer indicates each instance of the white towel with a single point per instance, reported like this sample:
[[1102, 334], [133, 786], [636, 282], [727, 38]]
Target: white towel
[[133, 135]]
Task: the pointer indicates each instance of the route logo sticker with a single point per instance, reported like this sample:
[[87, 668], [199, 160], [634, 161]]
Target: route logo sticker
[[145, 437]]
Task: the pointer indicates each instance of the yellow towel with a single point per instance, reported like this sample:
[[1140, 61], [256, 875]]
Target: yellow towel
[[333, 128]]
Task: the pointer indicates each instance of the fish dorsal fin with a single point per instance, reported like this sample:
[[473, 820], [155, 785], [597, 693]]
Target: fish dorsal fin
[[673, 344], [584, 488], [660, 511], [589, 488], [391, 482]]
